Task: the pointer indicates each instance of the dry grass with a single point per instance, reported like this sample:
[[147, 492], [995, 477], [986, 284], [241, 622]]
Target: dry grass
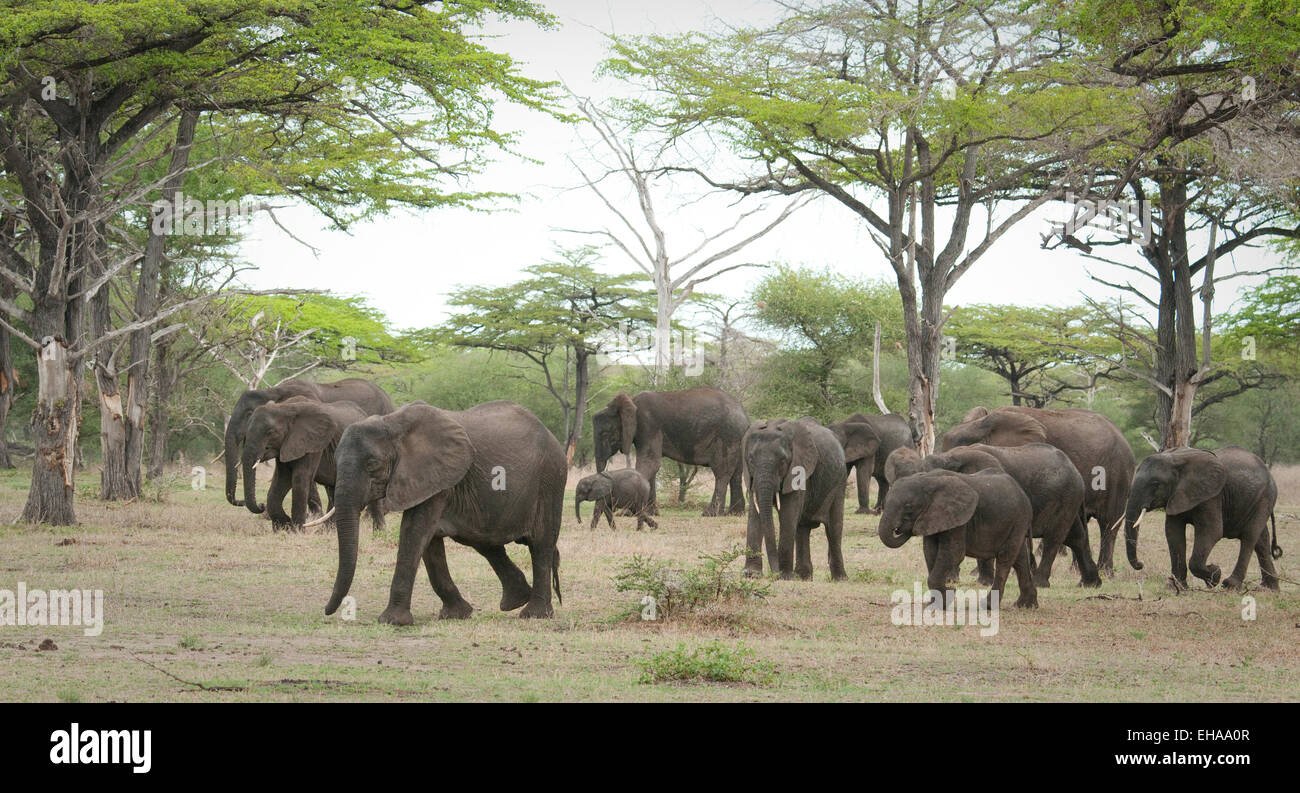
[[204, 591]]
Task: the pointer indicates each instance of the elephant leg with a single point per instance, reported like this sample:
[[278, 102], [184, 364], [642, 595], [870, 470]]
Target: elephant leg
[[416, 537], [596, 516], [302, 482], [514, 586], [329, 492], [1077, 542], [1264, 553], [1109, 524], [882, 490], [454, 607], [648, 465], [1176, 539], [1053, 538], [834, 540], [737, 494], [1250, 534], [863, 482], [791, 508], [609, 515], [985, 570], [721, 479], [936, 566], [313, 499], [281, 484], [1024, 568], [803, 551], [1206, 534], [642, 517], [539, 600], [950, 550]]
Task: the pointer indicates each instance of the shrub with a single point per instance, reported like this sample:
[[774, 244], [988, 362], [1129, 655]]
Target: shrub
[[714, 663], [679, 590]]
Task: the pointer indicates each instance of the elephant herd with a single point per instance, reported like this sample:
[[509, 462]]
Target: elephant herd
[[494, 475]]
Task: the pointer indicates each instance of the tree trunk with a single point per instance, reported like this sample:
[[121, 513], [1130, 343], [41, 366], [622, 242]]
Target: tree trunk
[[159, 417], [54, 434], [663, 328], [582, 383], [7, 383]]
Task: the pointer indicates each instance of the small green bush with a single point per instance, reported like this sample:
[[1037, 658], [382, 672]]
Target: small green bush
[[713, 663], [679, 590]]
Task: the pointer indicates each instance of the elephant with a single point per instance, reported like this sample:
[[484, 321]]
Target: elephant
[[300, 434], [1047, 476], [622, 489], [891, 432], [485, 477], [368, 396], [695, 426], [1092, 442], [984, 515], [798, 466], [1224, 494]]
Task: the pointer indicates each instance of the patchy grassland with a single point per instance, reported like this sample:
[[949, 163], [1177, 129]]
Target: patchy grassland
[[205, 592]]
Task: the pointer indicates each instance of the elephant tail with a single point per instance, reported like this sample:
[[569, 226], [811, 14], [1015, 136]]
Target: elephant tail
[[1277, 549], [555, 576]]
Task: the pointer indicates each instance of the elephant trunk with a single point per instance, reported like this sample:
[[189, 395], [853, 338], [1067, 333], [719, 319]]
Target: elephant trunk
[[232, 451], [764, 496], [347, 516], [250, 478], [1132, 519], [603, 453], [577, 508], [890, 532]]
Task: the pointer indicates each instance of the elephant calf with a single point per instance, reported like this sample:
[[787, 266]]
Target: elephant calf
[[984, 515], [1228, 494], [611, 490]]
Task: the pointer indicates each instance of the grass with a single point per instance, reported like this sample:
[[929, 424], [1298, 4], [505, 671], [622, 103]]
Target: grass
[[712, 663], [204, 603]]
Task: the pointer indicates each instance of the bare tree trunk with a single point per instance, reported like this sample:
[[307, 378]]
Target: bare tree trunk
[[582, 383], [875, 374], [55, 423], [7, 382], [164, 380]]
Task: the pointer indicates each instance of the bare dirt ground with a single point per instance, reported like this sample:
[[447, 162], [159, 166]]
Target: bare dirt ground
[[204, 602]]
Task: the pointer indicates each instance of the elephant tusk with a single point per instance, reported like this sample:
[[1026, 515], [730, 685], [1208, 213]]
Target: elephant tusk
[[1138, 522], [319, 520]]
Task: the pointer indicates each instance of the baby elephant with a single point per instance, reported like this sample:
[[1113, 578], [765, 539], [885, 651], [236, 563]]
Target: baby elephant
[[626, 489], [984, 515]]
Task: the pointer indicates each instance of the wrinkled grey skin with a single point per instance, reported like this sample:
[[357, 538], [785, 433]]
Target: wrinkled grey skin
[[891, 433], [1047, 476], [695, 426], [1089, 439], [625, 488], [1228, 494], [484, 477], [984, 515], [300, 434], [368, 396], [798, 467]]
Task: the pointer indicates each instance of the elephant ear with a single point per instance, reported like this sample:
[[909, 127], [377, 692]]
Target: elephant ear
[[1201, 476], [433, 455], [902, 462], [860, 440], [310, 430], [803, 453], [975, 414], [952, 503], [627, 420], [1009, 428]]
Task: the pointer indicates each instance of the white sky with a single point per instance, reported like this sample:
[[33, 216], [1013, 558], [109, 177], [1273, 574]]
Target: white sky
[[405, 263]]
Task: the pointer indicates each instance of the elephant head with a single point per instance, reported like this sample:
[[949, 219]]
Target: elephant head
[[859, 440], [592, 488], [614, 428], [405, 458], [901, 462], [923, 504], [236, 431], [1176, 481], [779, 458], [284, 431], [999, 428]]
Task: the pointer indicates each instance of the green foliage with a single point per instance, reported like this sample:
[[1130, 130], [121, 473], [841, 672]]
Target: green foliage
[[680, 590], [711, 663]]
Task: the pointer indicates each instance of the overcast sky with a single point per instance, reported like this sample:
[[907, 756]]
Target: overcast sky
[[405, 263]]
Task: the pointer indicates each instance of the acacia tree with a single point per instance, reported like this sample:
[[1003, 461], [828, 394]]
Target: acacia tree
[[556, 320], [342, 90], [1213, 164], [950, 115]]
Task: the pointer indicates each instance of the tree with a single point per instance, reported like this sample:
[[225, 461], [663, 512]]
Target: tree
[[334, 98], [1216, 90], [645, 241], [829, 319], [556, 319], [956, 106]]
